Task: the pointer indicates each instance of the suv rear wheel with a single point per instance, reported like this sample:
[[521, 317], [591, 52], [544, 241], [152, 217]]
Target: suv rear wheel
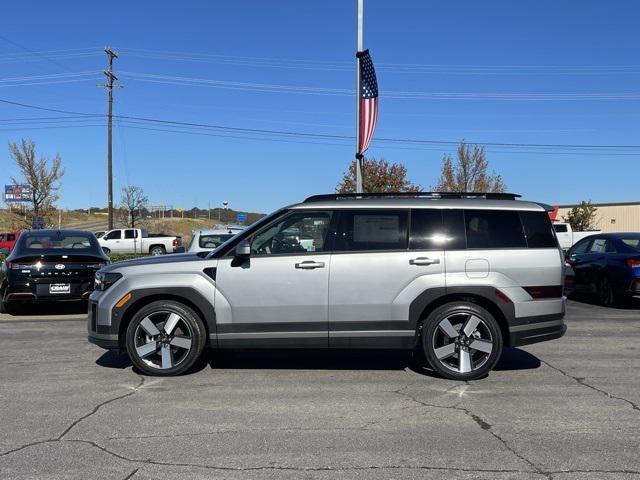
[[461, 340], [165, 338]]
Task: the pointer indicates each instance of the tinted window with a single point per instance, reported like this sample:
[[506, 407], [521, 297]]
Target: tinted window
[[453, 226], [493, 229], [114, 235], [426, 230], [632, 242], [537, 229], [560, 228], [299, 232], [580, 247], [129, 234], [360, 230], [11, 237]]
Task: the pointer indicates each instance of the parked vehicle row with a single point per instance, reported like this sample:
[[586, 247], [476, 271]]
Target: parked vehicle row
[[606, 266], [458, 276]]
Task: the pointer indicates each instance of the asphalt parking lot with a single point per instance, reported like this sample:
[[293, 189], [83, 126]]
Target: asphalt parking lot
[[567, 409]]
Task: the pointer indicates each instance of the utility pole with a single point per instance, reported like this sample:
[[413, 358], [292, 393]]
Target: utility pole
[[111, 78], [359, 48]]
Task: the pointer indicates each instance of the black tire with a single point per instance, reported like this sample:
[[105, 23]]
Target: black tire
[[3, 306], [486, 334], [157, 250], [606, 293], [153, 363]]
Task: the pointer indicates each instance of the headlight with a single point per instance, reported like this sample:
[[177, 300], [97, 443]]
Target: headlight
[[105, 280]]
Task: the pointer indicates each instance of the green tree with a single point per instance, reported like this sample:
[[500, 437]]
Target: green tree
[[468, 172], [378, 176], [583, 217]]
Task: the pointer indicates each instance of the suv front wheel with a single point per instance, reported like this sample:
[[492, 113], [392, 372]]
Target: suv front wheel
[[165, 338], [461, 340]]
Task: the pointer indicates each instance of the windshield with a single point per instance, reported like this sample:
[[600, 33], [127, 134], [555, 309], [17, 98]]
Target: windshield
[[39, 242]]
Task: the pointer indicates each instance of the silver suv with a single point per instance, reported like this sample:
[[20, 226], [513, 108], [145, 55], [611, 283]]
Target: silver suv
[[458, 275]]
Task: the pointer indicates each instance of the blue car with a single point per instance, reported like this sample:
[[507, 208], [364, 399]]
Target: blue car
[[607, 265]]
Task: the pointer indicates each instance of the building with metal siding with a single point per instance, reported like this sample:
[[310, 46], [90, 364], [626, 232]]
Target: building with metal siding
[[611, 217]]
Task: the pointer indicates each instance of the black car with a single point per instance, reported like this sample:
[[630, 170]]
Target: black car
[[607, 265], [51, 265]]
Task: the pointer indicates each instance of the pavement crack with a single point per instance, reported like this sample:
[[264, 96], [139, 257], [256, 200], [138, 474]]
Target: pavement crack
[[483, 424], [581, 381], [26, 445], [130, 476], [95, 409], [150, 461]]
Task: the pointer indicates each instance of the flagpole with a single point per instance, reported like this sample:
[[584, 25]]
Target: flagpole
[[360, 42]]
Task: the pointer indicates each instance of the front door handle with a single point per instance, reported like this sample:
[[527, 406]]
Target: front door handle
[[309, 264], [424, 261]]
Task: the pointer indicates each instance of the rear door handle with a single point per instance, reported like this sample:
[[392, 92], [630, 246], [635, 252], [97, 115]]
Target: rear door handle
[[309, 264], [424, 261]]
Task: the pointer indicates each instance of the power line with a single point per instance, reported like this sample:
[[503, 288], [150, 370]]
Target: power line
[[332, 136]]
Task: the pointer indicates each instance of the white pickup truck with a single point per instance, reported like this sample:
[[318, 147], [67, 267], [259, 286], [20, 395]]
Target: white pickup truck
[[137, 240], [567, 237]]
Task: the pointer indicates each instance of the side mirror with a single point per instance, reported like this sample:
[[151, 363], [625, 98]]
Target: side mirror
[[243, 249]]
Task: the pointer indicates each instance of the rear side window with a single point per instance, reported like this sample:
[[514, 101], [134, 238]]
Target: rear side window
[[538, 230], [129, 234], [361, 230], [632, 242], [494, 229], [426, 230]]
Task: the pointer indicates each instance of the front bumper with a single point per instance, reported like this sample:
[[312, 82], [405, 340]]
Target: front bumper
[[100, 335]]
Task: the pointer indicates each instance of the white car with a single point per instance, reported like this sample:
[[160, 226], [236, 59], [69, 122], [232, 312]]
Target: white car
[[205, 240]]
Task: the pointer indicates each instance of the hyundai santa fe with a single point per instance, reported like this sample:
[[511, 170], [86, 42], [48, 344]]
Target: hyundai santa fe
[[458, 275]]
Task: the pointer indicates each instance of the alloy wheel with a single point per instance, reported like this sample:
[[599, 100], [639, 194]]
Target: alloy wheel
[[163, 339], [462, 342]]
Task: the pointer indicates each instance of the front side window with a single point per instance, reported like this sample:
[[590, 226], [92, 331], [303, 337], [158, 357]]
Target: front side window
[[114, 235], [580, 247], [361, 230], [493, 229], [298, 233]]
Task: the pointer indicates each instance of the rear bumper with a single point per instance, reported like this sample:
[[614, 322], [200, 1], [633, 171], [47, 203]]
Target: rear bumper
[[540, 329]]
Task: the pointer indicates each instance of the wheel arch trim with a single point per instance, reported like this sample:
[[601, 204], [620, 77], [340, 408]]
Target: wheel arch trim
[[120, 317]]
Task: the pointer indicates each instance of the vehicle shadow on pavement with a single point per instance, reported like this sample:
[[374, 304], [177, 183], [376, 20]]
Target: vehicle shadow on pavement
[[630, 304], [44, 309]]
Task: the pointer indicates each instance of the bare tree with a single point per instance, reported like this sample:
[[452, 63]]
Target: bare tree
[[378, 176], [468, 172], [132, 204], [42, 177]]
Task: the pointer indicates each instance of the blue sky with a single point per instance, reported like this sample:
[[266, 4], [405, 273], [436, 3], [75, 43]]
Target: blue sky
[[538, 59]]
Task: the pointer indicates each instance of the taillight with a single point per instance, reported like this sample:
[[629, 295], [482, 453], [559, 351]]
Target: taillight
[[175, 242], [633, 262]]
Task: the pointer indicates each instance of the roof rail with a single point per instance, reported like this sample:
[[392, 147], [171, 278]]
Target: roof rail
[[485, 195]]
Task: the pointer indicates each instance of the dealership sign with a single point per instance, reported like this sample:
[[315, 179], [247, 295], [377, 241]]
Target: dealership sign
[[17, 193]]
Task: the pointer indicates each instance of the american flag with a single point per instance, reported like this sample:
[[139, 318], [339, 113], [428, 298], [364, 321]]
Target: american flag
[[368, 101]]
